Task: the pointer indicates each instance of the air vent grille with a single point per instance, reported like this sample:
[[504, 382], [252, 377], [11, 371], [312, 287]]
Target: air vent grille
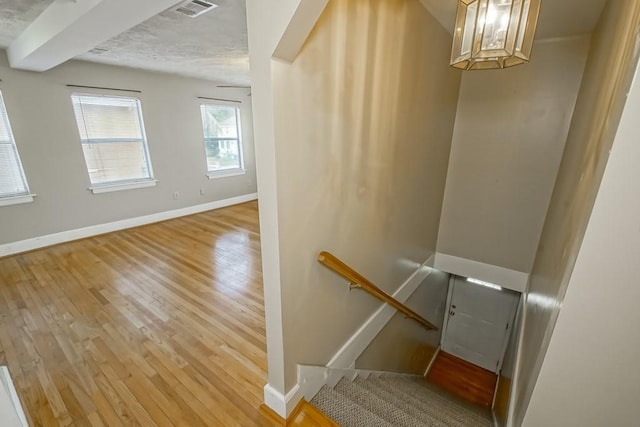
[[98, 51], [193, 8]]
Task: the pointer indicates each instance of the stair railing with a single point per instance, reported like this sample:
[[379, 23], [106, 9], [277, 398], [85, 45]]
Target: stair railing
[[356, 280]]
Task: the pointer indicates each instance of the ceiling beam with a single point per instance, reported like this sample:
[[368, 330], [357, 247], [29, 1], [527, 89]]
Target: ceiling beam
[[68, 28], [302, 22]]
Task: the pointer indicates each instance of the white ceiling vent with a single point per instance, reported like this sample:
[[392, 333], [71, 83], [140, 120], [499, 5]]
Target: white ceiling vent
[[193, 8], [98, 51]]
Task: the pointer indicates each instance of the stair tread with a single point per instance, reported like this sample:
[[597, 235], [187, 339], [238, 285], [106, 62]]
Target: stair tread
[[396, 400], [413, 407], [425, 391], [423, 383], [434, 403], [344, 411], [389, 410]]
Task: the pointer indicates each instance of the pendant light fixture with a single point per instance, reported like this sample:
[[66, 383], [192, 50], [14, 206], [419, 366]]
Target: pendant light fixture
[[493, 33]]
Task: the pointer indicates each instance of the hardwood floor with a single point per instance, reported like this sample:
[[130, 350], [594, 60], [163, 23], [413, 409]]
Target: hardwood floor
[[157, 325], [463, 379], [303, 415]]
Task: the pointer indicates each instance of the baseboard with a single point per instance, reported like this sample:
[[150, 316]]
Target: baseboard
[[283, 405], [312, 378], [94, 230], [358, 342], [433, 359], [11, 412], [511, 279], [494, 419]]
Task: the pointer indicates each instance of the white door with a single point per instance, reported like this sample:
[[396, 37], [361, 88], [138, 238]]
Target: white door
[[479, 322]]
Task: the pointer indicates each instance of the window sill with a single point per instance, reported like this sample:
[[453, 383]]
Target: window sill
[[122, 186], [226, 174], [16, 200]]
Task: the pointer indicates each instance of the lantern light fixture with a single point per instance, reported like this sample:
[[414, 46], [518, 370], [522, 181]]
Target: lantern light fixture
[[493, 33]]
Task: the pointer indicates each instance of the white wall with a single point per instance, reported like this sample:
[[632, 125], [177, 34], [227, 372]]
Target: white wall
[[44, 126], [267, 21], [610, 65], [510, 131], [590, 374]]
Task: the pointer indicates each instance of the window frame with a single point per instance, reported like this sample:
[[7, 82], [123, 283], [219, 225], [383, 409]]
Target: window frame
[[235, 171], [122, 184], [8, 199]]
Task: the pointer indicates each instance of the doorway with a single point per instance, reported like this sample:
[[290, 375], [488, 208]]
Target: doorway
[[478, 322]]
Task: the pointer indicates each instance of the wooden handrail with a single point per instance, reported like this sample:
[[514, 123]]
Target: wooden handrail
[[332, 262]]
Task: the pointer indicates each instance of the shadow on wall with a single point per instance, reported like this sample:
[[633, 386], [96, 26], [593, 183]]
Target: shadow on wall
[[403, 345]]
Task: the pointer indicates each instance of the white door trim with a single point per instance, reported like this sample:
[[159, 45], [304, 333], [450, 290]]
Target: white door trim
[[500, 340]]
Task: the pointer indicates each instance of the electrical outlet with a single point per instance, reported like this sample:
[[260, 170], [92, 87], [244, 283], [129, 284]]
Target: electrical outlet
[[176, 195], [202, 191]]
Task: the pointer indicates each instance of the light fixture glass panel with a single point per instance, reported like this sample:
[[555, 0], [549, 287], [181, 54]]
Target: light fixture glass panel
[[496, 24], [467, 37], [522, 28], [493, 33]]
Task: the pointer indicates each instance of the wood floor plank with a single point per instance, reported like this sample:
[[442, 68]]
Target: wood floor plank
[[463, 379], [159, 325]]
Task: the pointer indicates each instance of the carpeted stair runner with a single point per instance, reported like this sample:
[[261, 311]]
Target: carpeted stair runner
[[396, 400]]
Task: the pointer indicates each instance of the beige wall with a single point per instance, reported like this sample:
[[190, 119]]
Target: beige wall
[[404, 345], [363, 123], [510, 130], [41, 115], [594, 124], [590, 375]]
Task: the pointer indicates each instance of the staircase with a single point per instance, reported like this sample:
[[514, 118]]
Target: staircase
[[396, 400]]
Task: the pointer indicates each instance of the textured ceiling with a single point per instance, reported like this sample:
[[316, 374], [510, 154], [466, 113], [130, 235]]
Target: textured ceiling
[[16, 15], [212, 46], [558, 18]]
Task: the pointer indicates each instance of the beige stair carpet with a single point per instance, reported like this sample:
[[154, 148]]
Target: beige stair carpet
[[396, 400]]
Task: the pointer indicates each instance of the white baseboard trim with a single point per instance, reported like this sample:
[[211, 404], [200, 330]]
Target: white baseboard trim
[[510, 279], [433, 359], [358, 342], [94, 230], [312, 378], [283, 405], [11, 412]]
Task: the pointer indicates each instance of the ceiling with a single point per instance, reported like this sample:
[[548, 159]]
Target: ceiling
[[558, 18], [214, 45]]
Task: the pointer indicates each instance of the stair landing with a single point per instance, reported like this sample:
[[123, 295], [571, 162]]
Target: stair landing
[[463, 379]]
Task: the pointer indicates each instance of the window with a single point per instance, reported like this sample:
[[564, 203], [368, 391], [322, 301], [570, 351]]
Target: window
[[221, 125], [13, 183], [113, 141]]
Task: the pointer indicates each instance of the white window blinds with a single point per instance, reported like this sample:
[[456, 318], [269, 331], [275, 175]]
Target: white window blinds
[[12, 180], [113, 140]]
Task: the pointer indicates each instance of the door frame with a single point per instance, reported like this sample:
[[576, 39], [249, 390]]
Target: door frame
[[445, 323], [508, 331]]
